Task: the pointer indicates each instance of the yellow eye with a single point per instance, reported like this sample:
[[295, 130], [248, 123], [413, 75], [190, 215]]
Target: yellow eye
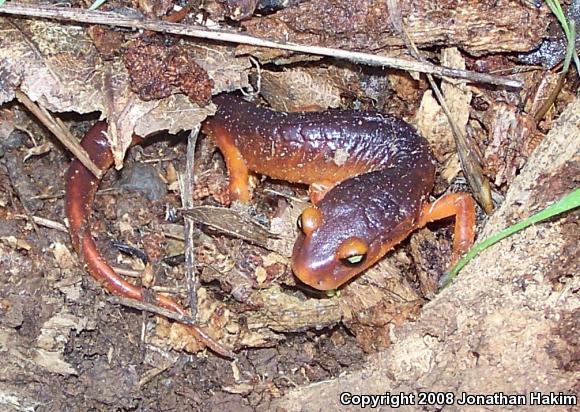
[[353, 260], [352, 252]]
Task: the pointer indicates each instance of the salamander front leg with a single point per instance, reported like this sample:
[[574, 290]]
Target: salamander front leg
[[237, 169], [460, 205]]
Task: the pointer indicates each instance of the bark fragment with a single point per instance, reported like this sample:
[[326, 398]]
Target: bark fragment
[[477, 27]]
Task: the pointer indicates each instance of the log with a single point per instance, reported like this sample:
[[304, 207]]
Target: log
[[477, 27]]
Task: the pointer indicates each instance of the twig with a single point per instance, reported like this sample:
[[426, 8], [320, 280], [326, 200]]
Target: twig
[[152, 308], [127, 272], [52, 196], [186, 320], [60, 131], [113, 19], [469, 162], [186, 184], [152, 373], [286, 196], [51, 224]]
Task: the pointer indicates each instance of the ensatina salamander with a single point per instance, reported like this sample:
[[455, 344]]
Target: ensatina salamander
[[370, 175]]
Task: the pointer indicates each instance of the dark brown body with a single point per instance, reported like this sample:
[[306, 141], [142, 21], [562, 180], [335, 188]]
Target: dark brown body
[[320, 146]]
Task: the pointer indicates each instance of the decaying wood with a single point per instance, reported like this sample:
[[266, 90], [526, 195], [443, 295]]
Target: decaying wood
[[230, 222], [478, 27], [510, 321]]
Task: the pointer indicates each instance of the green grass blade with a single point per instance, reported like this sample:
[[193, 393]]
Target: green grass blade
[[569, 31], [568, 202], [97, 4], [569, 48], [572, 46]]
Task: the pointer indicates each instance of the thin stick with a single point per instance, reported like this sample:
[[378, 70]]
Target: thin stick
[[113, 19], [187, 202], [127, 272], [51, 224], [469, 162], [186, 320], [61, 132], [150, 307]]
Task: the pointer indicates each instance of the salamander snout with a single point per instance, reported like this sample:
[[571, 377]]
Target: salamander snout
[[324, 256]]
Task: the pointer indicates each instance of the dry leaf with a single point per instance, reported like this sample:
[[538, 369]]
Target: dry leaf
[[59, 67], [52, 340], [63, 256], [16, 243], [433, 123], [301, 89], [53, 362], [37, 151]]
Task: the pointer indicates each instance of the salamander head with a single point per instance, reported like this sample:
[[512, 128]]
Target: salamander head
[[331, 248]]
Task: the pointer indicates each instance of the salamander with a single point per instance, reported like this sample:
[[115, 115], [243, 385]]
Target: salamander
[[370, 176]]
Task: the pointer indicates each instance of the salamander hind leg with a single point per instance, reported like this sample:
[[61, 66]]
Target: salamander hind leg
[[460, 205], [237, 169]]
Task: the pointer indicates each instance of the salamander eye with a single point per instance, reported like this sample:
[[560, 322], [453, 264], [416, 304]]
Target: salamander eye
[[354, 260], [309, 220], [352, 252]]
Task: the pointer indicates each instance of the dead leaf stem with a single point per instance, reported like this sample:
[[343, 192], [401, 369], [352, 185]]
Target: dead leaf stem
[[59, 130], [186, 189], [469, 162]]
